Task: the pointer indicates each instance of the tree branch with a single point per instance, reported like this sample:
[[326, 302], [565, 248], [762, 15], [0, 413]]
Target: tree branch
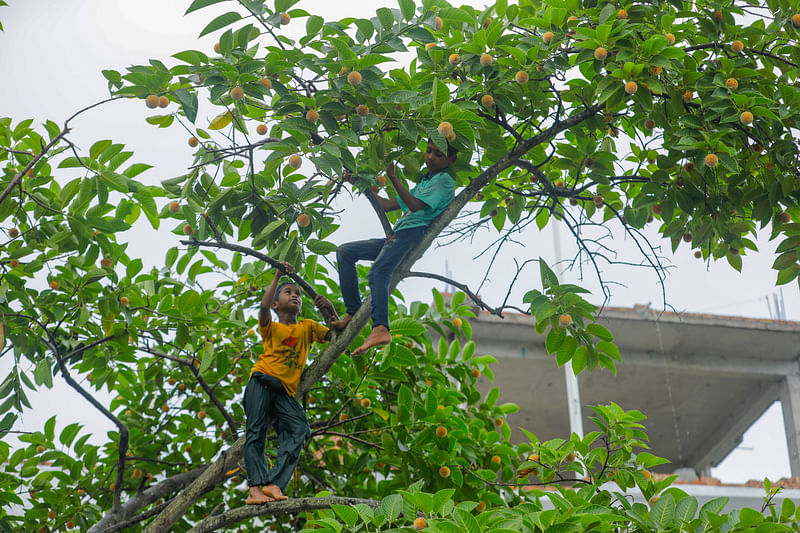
[[303, 284], [213, 523]]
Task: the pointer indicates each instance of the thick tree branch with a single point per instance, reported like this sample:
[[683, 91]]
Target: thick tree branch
[[163, 489], [213, 523]]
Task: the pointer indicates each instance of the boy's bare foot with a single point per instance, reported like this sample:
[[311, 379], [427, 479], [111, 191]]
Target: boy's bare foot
[[257, 497], [274, 492], [380, 335], [342, 322]]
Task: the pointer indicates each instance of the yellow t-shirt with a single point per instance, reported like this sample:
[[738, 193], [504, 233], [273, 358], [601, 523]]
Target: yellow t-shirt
[[286, 350]]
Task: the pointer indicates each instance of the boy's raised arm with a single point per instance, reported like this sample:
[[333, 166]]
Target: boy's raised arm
[[412, 202], [265, 313]]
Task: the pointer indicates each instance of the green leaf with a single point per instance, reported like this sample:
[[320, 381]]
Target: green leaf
[[407, 8], [346, 513], [220, 22], [206, 357], [391, 506], [458, 15], [406, 326], [200, 4], [685, 510], [386, 17], [599, 331]]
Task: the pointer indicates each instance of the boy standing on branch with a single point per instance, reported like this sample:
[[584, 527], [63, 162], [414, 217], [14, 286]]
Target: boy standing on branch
[[269, 396], [420, 206]]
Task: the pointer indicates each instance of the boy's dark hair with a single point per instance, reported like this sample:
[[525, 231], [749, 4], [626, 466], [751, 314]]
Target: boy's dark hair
[[451, 150], [281, 287]]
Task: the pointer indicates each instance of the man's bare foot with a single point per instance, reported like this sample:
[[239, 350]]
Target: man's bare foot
[[380, 335], [257, 497], [274, 491], [342, 322]]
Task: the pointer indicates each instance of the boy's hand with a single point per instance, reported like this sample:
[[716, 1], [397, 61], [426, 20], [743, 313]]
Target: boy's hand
[[286, 268], [390, 171], [322, 303]]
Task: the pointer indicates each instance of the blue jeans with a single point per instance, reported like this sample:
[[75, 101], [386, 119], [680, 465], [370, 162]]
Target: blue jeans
[[387, 254]]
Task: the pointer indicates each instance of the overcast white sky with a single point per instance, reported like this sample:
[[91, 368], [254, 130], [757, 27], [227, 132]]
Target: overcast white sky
[[52, 55]]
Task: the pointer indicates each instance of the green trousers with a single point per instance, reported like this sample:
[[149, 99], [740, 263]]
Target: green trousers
[[265, 402]]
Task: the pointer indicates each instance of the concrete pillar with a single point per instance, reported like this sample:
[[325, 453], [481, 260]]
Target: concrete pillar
[[790, 404]]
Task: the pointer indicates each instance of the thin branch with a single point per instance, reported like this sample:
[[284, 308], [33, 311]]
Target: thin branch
[[303, 284]]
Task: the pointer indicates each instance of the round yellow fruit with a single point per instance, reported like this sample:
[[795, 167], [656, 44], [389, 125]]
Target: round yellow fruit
[[312, 115], [174, 207], [151, 101], [670, 38], [785, 217], [216, 47], [444, 128], [521, 77], [124, 301], [476, 373], [365, 403], [718, 15], [732, 84], [631, 87], [438, 23], [362, 110], [444, 471], [649, 124], [13, 233], [303, 220], [486, 60], [570, 457], [454, 59], [266, 82], [547, 37], [187, 229], [457, 322], [711, 160], [565, 320], [746, 117], [487, 100], [354, 78], [163, 101], [796, 20], [55, 284], [496, 459], [622, 14], [285, 19], [441, 431], [261, 129], [193, 142], [237, 93], [420, 524], [295, 161], [600, 53], [737, 46]]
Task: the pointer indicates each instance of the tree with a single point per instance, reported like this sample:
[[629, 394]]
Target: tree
[[538, 97]]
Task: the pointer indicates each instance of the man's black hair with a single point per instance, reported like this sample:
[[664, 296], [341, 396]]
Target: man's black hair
[[281, 287], [451, 150]]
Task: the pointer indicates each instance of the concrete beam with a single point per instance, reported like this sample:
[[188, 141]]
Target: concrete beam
[[711, 365], [790, 403], [728, 433]]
